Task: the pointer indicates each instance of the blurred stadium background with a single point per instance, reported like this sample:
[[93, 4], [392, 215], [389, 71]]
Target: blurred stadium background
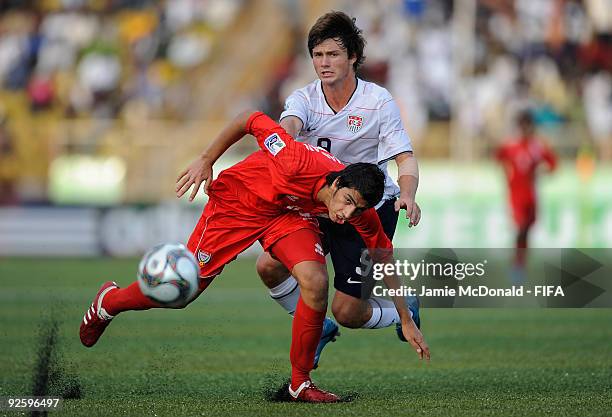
[[102, 102]]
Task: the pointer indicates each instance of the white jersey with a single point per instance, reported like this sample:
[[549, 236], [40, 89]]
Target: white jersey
[[367, 129]]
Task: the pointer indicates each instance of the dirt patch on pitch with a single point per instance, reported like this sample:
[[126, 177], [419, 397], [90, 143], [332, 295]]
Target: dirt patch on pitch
[[51, 376]]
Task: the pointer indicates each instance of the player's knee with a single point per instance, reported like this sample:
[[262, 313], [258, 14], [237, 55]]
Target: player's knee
[[346, 316], [313, 283], [271, 272], [315, 279]]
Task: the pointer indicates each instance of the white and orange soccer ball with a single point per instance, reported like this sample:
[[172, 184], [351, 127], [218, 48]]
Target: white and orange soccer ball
[[169, 274]]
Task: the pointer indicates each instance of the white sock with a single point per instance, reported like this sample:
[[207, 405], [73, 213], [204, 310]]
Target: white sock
[[384, 314], [287, 294]]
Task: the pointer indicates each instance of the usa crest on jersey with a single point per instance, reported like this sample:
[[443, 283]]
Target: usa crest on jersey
[[354, 123]]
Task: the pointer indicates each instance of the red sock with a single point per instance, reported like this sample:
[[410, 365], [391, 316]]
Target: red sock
[[128, 298], [305, 335], [520, 255]]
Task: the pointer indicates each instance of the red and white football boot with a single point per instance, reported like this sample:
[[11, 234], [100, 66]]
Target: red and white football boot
[[309, 393], [96, 318]]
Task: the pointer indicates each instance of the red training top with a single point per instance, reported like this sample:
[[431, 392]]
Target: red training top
[[521, 159]]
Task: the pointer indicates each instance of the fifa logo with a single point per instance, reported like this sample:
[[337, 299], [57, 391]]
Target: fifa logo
[[274, 144]]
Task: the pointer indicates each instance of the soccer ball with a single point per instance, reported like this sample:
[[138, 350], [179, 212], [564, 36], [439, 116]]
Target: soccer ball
[[169, 275]]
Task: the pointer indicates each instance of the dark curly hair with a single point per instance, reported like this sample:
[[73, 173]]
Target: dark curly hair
[[340, 27], [367, 179]]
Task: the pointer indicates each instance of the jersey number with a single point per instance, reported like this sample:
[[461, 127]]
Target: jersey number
[[324, 143]]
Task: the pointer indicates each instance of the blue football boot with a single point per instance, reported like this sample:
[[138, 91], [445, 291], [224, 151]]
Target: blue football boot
[[413, 305], [329, 334]]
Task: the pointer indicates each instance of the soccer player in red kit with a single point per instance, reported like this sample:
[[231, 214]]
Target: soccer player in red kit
[[521, 158], [273, 196]]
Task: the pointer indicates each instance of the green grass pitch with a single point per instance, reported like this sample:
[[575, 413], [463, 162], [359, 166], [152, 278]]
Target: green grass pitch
[[221, 354]]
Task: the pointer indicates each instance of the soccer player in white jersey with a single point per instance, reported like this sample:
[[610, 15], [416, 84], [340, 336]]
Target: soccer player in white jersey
[[356, 121]]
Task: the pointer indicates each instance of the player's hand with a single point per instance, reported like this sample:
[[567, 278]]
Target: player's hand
[[414, 336], [198, 172], [413, 211]]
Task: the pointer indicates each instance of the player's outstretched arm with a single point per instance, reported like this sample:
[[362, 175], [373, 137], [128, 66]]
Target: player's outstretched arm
[[200, 170], [550, 158], [408, 180], [381, 250], [411, 332]]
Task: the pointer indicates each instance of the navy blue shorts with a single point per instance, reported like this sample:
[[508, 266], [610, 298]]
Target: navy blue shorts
[[345, 246]]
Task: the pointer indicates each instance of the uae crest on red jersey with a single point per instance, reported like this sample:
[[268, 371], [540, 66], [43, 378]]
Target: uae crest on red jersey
[[354, 123], [203, 257]]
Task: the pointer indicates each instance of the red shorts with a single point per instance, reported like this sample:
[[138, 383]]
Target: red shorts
[[523, 211], [230, 224]]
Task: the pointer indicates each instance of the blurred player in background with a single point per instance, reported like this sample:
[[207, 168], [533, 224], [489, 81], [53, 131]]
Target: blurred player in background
[[272, 197], [521, 158], [356, 121]]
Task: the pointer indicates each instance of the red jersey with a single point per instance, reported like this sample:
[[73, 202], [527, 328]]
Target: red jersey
[[286, 175], [521, 159]]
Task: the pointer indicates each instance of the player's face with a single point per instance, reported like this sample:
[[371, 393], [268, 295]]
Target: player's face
[[345, 203], [527, 129], [331, 62]]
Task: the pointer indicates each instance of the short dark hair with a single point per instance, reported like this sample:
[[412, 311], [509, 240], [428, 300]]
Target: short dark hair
[[367, 179], [340, 27]]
